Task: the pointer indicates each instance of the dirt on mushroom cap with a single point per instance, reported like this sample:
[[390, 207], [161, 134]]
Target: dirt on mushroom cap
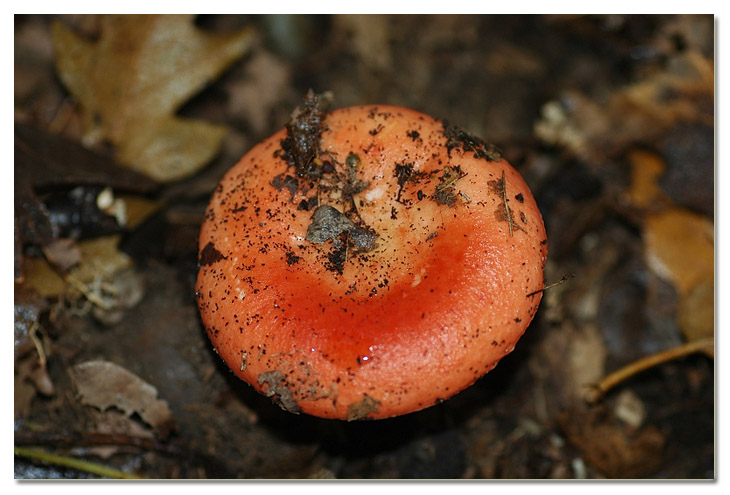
[[393, 274]]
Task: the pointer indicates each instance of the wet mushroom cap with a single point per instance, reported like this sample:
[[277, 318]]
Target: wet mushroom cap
[[392, 273]]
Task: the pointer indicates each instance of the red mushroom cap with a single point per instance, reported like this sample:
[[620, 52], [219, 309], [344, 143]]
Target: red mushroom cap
[[390, 271]]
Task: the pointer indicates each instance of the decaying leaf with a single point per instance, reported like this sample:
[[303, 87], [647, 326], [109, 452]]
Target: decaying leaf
[[62, 191], [135, 77], [696, 312], [100, 260], [104, 278], [30, 350], [592, 130], [615, 449], [104, 385], [679, 248], [48, 161], [679, 244]]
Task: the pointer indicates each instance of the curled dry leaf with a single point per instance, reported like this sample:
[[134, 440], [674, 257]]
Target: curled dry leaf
[[58, 187], [134, 78], [103, 384]]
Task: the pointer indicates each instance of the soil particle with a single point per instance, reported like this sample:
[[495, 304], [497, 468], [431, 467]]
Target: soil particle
[[292, 258], [457, 137], [413, 135], [210, 255], [286, 181], [360, 410], [405, 173], [307, 204], [336, 259], [279, 391], [329, 223], [353, 184], [301, 146], [445, 193]]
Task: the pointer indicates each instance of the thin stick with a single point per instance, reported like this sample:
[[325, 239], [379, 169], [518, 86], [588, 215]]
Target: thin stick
[[73, 463], [611, 380], [554, 284]]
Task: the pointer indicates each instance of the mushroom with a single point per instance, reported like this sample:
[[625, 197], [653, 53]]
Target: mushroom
[[368, 262]]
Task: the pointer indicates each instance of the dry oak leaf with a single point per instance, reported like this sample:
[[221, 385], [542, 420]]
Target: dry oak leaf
[[134, 78]]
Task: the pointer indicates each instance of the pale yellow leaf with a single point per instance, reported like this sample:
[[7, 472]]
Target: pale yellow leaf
[[136, 76]]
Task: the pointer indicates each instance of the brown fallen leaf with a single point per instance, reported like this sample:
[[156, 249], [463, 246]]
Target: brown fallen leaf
[[696, 311], [135, 77], [644, 192], [680, 247], [616, 450], [679, 244], [103, 384], [47, 161]]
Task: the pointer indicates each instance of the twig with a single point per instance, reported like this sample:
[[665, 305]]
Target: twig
[[71, 439], [554, 284], [610, 381], [73, 463], [87, 292]]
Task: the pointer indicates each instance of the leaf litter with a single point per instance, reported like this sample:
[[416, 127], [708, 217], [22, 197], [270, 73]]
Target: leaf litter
[[617, 308]]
